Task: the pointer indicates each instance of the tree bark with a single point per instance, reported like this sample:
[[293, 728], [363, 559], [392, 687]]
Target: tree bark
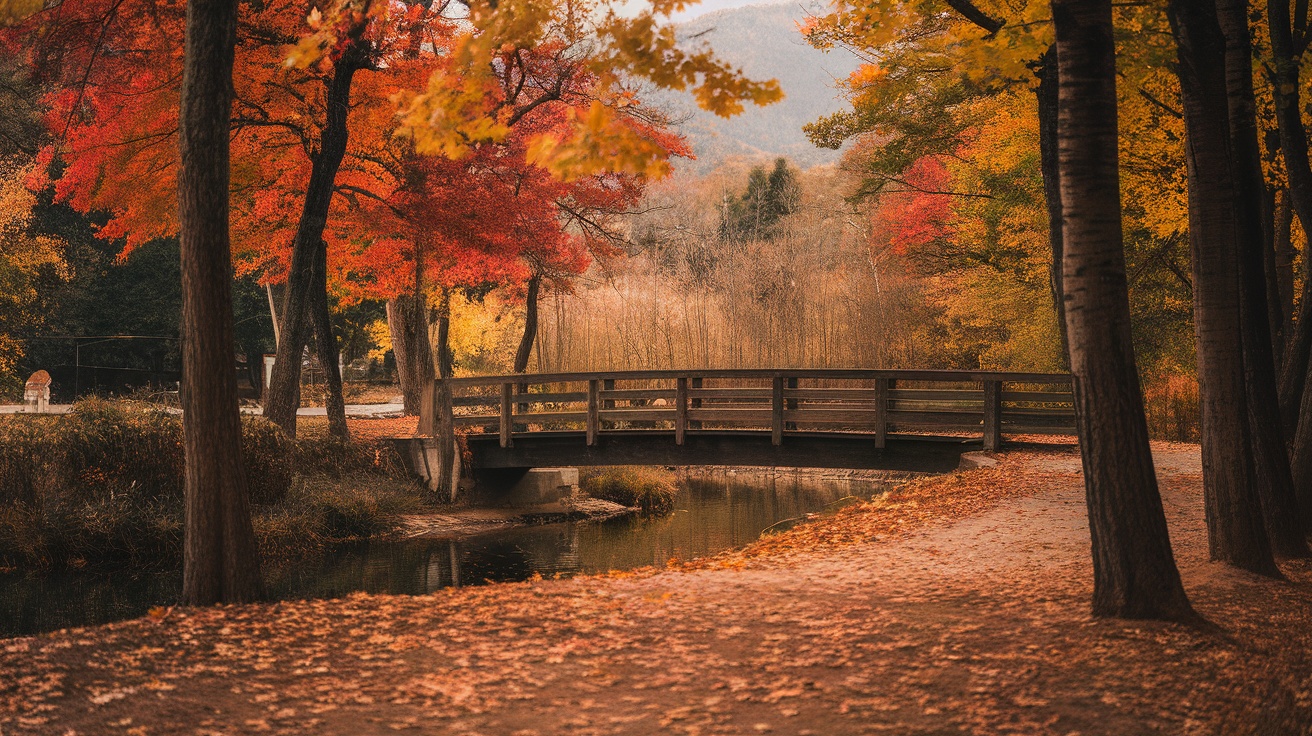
[[1287, 53], [299, 305], [220, 562], [445, 363], [407, 321], [530, 324], [1235, 530], [329, 354], [1274, 481], [1046, 70], [1275, 314], [1134, 569]]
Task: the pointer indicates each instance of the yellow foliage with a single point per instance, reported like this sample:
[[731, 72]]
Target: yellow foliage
[[484, 332], [24, 258]]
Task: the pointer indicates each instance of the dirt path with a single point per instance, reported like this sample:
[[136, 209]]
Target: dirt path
[[958, 605]]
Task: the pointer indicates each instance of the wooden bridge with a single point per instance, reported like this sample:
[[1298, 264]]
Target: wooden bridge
[[827, 418]]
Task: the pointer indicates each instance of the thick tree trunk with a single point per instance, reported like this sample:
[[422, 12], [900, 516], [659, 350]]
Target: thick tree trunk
[[329, 354], [1283, 222], [1046, 93], [407, 317], [1133, 566], [220, 562], [1286, 61], [1275, 314], [407, 320], [1301, 464], [283, 396], [1235, 530], [1270, 455], [530, 324], [396, 330]]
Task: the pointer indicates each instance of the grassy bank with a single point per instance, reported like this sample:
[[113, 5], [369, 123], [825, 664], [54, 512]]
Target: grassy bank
[[652, 489], [105, 484]]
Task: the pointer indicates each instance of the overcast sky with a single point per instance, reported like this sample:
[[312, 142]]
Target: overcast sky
[[707, 6], [710, 6]]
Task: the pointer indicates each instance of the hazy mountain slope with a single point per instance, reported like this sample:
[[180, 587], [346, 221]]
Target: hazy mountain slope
[[765, 42]]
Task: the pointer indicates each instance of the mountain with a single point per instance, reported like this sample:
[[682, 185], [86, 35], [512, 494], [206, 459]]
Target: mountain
[[765, 42]]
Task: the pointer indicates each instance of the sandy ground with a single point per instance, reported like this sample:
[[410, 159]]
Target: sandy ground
[[957, 605]]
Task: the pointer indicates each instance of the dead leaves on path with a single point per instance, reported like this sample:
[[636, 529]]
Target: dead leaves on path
[[768, 650]]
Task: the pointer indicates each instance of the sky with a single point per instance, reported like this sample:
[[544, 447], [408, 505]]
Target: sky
[[710, 6], [702, 8]]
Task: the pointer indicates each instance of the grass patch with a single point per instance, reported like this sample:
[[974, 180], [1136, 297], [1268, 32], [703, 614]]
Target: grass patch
[[322, 510], [652, 489]]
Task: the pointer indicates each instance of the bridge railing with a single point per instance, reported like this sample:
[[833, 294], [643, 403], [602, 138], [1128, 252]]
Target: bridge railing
[[875, 402]]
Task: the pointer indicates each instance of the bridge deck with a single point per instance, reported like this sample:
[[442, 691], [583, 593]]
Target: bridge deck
[[789, 418]]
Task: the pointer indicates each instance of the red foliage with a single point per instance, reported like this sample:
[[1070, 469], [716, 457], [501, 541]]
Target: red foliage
[[921, 213], [488, 218]]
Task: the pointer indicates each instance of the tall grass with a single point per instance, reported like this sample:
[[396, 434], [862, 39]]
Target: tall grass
[[1171, 405], [651, 489]]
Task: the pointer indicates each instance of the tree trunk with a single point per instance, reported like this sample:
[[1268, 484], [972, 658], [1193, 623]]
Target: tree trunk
[[220, 562], [400, 346], [1275, 314], [1133, 566], [530, 324], [1046, 92], [445, 363], [1283, 222], [1235, 531], [1301, 464], [1286, 61], [283, 396], [1270, 455], [407, 320], [329, 354]]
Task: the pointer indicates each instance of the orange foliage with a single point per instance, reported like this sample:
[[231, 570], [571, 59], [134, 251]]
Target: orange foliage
[[115, 67]]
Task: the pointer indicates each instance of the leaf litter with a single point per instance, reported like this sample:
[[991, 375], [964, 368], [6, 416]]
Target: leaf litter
[[956, 604]]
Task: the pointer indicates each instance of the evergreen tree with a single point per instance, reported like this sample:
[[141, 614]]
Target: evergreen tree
[[769, 198]]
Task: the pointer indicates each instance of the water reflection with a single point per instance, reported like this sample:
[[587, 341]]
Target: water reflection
[[716, 510]]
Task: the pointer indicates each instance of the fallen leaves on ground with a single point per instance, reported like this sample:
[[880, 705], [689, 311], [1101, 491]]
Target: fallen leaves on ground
[[955, 605]]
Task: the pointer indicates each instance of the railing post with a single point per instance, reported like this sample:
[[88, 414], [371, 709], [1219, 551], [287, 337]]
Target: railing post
[[695, 404], [446, 441], [507, 390], [522, 406], [777, 412], [881, 412], [992, 415], [594, 413], [680, 408], [791, 404]]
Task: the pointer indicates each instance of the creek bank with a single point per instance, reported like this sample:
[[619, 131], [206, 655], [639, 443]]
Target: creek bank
[[471, 521]]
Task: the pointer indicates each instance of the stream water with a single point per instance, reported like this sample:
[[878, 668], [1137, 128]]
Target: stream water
[[716, 510]]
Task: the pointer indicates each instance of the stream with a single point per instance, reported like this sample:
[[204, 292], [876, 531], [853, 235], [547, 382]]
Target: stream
[[716, 510]]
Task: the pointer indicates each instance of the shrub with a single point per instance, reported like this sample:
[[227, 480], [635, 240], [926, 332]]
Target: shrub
[[105, 483], [270, 460], [320, 509], [651, 489]]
